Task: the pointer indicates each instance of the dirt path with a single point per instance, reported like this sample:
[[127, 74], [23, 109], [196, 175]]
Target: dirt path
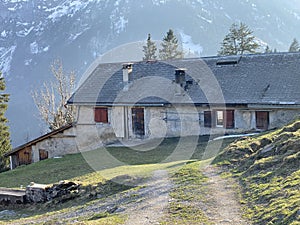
[[222, 206], [149, 204], [155, 201]]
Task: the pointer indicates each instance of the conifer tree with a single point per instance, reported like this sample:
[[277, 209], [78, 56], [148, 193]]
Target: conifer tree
[[238, 41], [149, 50], [268, 49], [294, 47], [5, 145], [170, 46]]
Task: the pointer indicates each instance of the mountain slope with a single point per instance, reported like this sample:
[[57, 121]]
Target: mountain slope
[[34, 33]]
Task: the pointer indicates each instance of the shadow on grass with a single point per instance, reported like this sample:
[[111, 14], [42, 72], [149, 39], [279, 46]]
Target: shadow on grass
[[161, 152], [78, 165], [82, 199]]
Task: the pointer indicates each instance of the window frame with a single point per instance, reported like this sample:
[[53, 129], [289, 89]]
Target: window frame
[[223, 121], [221, 113]]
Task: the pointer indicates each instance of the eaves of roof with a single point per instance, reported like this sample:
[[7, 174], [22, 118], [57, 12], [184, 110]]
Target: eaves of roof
[[41, 138]]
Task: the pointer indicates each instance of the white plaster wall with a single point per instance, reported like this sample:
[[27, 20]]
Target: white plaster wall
[[243, 119], [35, 153], [163, 121], [57, 145], [280, 117], [85, 115], [154, 124], [246, 120], [189, 121], [118, 121], [129, 124], [91, 135]]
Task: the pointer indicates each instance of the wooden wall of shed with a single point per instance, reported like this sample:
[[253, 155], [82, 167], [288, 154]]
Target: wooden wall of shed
[[24, 156]]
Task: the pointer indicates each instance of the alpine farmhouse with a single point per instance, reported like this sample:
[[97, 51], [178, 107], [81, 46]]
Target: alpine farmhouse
[[198, 96]]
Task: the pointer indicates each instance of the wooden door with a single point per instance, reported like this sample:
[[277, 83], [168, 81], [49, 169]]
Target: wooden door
[[262, 120], [138, 126], [24, 156], [207, 118], [229, 119]]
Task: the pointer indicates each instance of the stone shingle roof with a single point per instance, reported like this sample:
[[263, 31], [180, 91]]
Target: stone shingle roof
[[248, 79], [39, 139]]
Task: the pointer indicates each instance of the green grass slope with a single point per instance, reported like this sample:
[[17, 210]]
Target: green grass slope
[[134, 167], [268, 168], [77, 167]]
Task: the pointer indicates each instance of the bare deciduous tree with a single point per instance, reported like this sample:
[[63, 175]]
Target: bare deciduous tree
[[51, 99]]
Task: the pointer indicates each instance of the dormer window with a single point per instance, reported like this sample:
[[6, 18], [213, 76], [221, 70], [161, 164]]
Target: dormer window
[[226, 62]]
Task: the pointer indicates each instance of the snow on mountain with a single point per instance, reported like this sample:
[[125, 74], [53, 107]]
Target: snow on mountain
[[68, 8], [159, 2], [189, 46], [34, 48], [34, 33], [24, 32], [6, 55]]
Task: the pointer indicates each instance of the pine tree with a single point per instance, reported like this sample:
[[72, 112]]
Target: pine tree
[[238, 41], [149, 50], [5, 145], [268, 49], [170, 47], [294, 47]]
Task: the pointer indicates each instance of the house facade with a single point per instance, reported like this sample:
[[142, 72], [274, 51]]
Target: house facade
[[211, 95], [183, 97]]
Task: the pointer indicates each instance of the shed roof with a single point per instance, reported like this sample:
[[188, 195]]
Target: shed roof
[[41, 138], [249, 79]]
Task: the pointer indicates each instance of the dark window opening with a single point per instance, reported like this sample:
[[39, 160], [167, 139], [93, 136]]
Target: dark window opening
[[101, 115], [138, 121], [207, 119], [229, 62], [180, 76], [43, 154]]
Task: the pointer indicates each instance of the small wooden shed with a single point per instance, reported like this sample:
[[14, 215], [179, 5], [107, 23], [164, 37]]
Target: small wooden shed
[[56, 143]]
